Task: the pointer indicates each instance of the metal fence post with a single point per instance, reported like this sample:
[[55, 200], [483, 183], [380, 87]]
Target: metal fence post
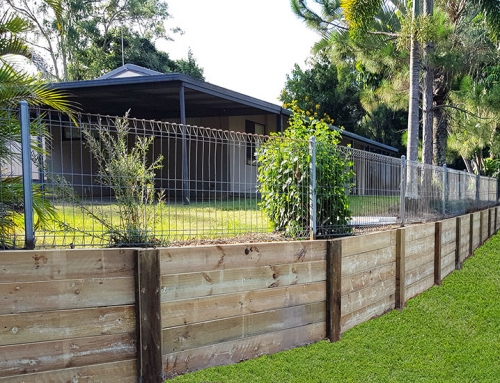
[[445, 188], [478, 182], [29, 236], [312, 188], [403, 190]]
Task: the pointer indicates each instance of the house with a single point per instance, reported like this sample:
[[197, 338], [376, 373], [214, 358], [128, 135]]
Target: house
[[179, 99]]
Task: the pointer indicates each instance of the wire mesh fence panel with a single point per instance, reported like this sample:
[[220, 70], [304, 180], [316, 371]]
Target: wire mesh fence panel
[[102, 181]]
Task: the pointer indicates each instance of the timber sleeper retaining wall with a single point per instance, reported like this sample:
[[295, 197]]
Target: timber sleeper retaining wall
[[149, 314]]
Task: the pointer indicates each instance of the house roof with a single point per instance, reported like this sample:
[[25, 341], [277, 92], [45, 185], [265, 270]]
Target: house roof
[[154, 95]]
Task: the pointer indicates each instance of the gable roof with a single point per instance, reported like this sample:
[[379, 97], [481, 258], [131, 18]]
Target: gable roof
[[130, 70]]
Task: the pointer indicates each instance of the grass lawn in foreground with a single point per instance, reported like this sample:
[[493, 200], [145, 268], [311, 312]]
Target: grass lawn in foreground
[[447, 334]]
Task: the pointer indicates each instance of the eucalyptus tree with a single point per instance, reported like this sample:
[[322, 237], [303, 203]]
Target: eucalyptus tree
[[90, 29]]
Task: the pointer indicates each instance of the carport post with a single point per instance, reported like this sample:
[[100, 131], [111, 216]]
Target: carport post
[[27, 177], [185, 173]]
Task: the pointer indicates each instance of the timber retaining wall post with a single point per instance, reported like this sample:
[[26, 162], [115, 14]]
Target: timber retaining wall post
[[333, 289], [148, 317]]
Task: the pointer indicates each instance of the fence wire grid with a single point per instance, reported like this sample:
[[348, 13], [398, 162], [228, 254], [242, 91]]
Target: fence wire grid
[[171, 184]]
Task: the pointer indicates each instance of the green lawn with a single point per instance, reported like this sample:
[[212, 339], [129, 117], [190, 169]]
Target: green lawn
[[447, 334], [177, 222]]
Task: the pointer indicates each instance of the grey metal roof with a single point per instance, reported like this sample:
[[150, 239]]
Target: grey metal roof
[[369, 141], [157, 97], [138, 70]]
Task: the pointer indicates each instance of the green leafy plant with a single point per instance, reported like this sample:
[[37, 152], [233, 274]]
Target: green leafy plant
[[284, 176], [131, 178]]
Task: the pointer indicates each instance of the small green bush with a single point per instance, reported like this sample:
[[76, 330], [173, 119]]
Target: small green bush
[[127, 172], [284, 177]]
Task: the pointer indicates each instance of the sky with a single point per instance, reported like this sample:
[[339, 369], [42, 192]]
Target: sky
[[248, 46]]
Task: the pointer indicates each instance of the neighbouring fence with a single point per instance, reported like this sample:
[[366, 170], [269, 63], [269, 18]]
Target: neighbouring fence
[[208, 184], [148, 314]]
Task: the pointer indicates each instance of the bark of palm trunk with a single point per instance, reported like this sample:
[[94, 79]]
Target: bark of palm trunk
[[413, 115], [440, 136], [427, 95]]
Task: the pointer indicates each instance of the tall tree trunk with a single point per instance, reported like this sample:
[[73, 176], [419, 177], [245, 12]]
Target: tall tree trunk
[[440, 136], [413, 115], [427, 94]]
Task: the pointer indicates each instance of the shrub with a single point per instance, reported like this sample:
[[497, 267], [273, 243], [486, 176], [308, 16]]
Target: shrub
[[284, 177], [127, 172]]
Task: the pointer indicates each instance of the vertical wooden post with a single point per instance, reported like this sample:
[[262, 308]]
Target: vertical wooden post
[[148, 314], [437, 253], [489, 223], [496, 219], [458, 264], [481, 227], [471, 234], [400, 296], [333, 289]]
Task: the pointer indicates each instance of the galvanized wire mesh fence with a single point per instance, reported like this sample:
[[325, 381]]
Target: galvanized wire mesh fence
[[166, 183]]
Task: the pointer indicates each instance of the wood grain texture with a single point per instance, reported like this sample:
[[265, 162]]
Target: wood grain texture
[[208, 258], [437, 252], [368, 296], [368, 243], [418, 248], [65, 324], [484, 225], [242, 349], [212, 332], [333, 290], [55, 355], [366, 313], [364, 262], [149, 352], [48, 265], [355, 282], [208, 283], [400, 297], [189, 311], [115, 372], [66, 294], [415, 232], [416, 274]]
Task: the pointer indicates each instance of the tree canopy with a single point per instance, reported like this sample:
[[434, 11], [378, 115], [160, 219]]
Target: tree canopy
[[84, 40]]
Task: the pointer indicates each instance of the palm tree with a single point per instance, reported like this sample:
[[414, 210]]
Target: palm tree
[[16, 85]]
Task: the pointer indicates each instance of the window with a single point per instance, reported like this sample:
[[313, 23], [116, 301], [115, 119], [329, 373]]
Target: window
[[253, 128]]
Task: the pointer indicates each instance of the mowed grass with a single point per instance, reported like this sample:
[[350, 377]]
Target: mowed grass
[[447, 334], [177, 222]]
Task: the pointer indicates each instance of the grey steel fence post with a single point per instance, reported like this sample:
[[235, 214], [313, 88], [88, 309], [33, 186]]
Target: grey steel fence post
[[29, 236], [312, 189], [478, 182], [445, 188], [403, 190]]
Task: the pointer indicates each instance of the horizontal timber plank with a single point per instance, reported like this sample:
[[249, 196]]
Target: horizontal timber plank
[[115, 372], [207, 333], [366, 313], [416, 274], [65, 294], [354, 282], [449, 224], [241, 349], [419, 247], [449, 236], [358, 263], [367, 296], [415, 232], [196, 310], [206, 258], [447, 270], [65, 324], [46, 356], [418, 259], [420, 286], [368, 243], [448, 249], [199, 284], [47, 265]]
